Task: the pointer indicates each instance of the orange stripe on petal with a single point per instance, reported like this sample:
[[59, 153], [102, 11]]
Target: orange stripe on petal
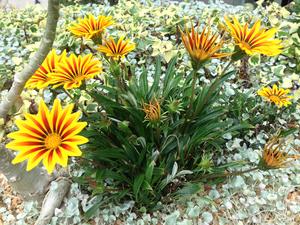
[[74, 130]]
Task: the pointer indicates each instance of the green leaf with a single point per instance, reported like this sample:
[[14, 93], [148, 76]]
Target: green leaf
[[93, 210], [285, 133], [210, 115], [138, 181], [169, 72], [241, 126], [189, 189], [254, 60], [110, 153], [209, 93], [105, 101], [155, 86], [143, 83], [278, 70], [149, 171], [108, 173]]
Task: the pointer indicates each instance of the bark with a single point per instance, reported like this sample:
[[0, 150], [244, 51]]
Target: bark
[[45, 46], [31, 184], [53, 200]]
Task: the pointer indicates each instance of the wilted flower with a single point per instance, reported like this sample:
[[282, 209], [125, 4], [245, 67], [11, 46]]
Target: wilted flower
[[116, 50], [74, 69], [273, 157], [254, 40], [152, 111], [202, 46], [40, 79], [90, 27], [276, 95], [48, 136]]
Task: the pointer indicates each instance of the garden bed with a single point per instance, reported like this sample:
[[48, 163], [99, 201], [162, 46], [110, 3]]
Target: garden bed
[[258, 197]]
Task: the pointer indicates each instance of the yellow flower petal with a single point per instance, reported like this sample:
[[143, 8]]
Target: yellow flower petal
[[50, 136], [202, 46], [254, 40], [41, 78], [73, 70], [116, 50], [90, 27], [276, 95]]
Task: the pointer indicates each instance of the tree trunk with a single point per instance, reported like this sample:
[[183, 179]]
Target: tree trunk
[[53, 200], [46, 44], [31, 184]]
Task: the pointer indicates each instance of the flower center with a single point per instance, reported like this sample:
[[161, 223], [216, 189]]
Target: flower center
[[52, 141], [274, 98]]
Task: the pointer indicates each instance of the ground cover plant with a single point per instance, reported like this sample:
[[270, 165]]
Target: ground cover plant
[[160, 102]]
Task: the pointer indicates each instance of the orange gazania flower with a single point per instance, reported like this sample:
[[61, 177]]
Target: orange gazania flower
[[116, 50], [273, 157], [276, 95], [74, 69], [90, 27], [202, 46], [254, 40], [40, 79], [48, 136]]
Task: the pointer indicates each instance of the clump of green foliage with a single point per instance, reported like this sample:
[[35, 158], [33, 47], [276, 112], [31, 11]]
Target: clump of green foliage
[[151, 141], [144, 158]]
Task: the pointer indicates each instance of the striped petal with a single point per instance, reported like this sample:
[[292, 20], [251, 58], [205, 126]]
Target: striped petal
[[41, 78], [202, 46], [276, 95], [254, 40], [116, 50], [89, 26], [50, 136], [73, 70]]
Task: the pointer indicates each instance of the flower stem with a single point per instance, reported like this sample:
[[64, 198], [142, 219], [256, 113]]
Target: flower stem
[[193, 90], [76, 102], [157, 134], [226, 67], [229, 174]]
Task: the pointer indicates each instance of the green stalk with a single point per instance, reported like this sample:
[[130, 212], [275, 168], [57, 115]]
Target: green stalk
[[193, 92], [97, 39], [234, 173], [157, 134], [75, 102], [226, 67], [210, 92]]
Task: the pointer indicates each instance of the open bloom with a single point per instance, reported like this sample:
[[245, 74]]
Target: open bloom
[[41, 78], [74, 69], [116, 50], [48, 136], [202, 46], [254, 40], [152, 111], [276, 95], [90, 27], [273, 157]]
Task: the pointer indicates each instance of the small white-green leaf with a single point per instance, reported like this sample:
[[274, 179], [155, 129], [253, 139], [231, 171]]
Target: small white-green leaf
[[254, 60]]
